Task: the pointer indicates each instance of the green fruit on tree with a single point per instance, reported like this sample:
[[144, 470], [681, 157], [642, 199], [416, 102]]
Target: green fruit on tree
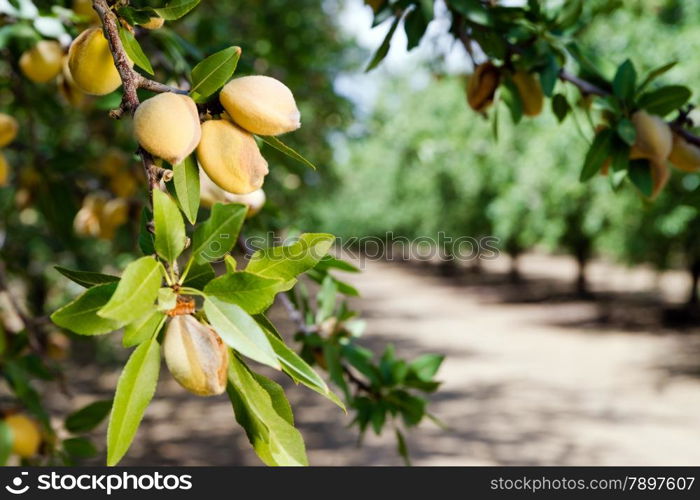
[[196, 356], [91, 63], [26, 435], [8, 129], [261, 105], [230, 157], [167, 126], [42, 62]]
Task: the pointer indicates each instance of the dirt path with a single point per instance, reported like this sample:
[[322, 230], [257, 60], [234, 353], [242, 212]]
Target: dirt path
[[526, 385], [527, 381]]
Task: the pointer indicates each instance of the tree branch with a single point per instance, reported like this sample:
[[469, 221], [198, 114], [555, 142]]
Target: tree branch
[[584, 86], [588, 88], [131, 82]]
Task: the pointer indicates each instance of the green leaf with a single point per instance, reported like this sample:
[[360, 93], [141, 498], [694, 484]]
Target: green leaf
[[620, 156], [146, 243], [402, 448], [625, 81], [273, 437], [655, 73], [549, 76], [80, 315], [199, 275], [287, 262], [135, 389], [639, 172], [473, 10], [597, 154], [231, 264], [511, 96], [279, 399], [216, 237], [88, 417], [134, 50], [560, 107], [626, 131], [143, 328], [342, 286], [136, 16], [299, 370], [169, 226], [213, 72], [277, 144], [79, 447], [415, 25], [426, 366], [186, 181], [664, 100], [136, 293], [85, 278], [383, 49], [239, 331], [167, 299], [255, 294], [326, 299], [569, 14], [332, 356], [329, 262], [176, 9]]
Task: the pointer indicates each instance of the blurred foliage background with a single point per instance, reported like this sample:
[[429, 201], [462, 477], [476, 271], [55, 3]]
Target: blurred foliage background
[[419, 163], [423, 163]]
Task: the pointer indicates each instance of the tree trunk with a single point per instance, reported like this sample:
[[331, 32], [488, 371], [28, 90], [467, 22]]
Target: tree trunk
[[514, 273], [581, 283], [694, 278]]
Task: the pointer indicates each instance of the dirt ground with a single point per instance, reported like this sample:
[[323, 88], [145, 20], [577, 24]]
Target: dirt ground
[[533, 375]]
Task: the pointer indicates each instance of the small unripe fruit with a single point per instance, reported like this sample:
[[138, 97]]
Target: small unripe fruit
[[8, 129], [230, 157], [42, 62], [91, 63], [68, 89], [654, 139], [123, 184], [26, 435], [167, 126], [684, 155], [210, 194], [114, 214], [87, 220], [4, 170], [261, 105], [530, 92], [196, 356], [84, 9], [255, 201], [154, 23], [482, 86]]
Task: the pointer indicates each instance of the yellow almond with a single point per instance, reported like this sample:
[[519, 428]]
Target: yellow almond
[[230, 157]]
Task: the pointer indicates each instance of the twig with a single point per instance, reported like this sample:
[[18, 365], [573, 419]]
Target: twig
[[584, 86], [588, 88], [131, 82]]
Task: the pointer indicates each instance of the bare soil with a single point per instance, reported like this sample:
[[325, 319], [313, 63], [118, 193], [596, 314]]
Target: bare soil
[[534, 375]]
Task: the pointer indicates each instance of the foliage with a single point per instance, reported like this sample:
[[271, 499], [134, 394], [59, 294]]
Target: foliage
[[80, 204]]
